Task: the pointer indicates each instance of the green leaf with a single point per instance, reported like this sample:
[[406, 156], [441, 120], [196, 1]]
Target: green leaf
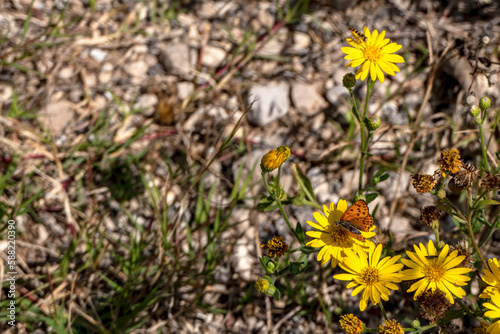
[[264, 261], [295, 268], [300, 233], [370, 197], [485, 202], [277, 294]]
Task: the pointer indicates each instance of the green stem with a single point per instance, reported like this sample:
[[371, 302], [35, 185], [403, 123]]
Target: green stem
[[383, 310], [473, 239], [436, 233], [278, 201], [364, 141], [483, 148], [465, 308]]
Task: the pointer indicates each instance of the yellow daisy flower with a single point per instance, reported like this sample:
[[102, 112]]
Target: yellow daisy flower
[[274, 158], [494, 313], [492, 278], [333, 239], [373, 52], [450, 161], [367, 272], [433, 271]]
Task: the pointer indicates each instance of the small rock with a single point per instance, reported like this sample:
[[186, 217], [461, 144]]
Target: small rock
[[184, 89], [137, 69], [393, 115], [337, 96], [269, 102], [147, 102], [175, 59], [5, 92], [98, 54], [207, 10], [58, 116], [275, 45], [301, 42], [213, 56], [66, 73], [306, 99]]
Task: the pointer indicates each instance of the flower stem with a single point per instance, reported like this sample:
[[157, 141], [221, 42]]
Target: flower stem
[[383, 310], [275, 196], [483, 148], [364, 140], [473, 239]]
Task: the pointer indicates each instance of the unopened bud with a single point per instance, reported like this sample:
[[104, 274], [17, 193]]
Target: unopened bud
[[478, 121], [349, 80], [484, 103], [441, 194], [474, 111], [373, 123], [415, 324], [271, 290]]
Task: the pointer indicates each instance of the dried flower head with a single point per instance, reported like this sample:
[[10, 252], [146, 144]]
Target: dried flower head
[[276, 246], [391, 327], [464, 178], [423, 183], [274, 158], [463, 249], [430, 216], [450, 161], [490, 181], [351, 324], [433, 304], [483, 328]]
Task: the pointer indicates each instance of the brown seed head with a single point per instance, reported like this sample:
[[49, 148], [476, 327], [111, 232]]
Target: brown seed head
[[433, 304], [276, 246], [423, 183]]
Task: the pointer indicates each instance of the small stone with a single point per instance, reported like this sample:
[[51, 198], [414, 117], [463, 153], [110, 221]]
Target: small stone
[[391, 112], [268, 103], [213, 56], [275, 45], [306, 99], [184, 89], [58, 116], [174, 57], [5, 92], [98, 55], [337, 95], [301, 42], [147, 103], [66, 73], [137, 69]]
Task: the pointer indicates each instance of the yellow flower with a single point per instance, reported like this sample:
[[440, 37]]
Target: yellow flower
[[333, 239], [435, 272], [492, 278], [262, 285], [276, 246], [274, 158], [494, 313], [391, 327], [367, 272], [373, 52], [450, 161], [351, 324]]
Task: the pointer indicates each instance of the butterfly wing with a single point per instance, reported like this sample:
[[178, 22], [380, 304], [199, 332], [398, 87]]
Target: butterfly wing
[[358, 216], [356, 236]]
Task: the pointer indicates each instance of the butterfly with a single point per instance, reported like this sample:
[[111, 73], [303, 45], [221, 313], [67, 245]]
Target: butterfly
[[356, 219], [358, 36]]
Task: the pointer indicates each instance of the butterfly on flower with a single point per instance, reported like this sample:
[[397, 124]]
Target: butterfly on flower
[[358, 36], [356, 219]]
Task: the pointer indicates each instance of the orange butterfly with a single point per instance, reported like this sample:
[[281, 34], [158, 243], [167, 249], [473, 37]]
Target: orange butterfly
[[356, 219]]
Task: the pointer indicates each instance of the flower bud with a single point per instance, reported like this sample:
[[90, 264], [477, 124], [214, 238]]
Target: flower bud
[[484, 103], [474, 111], [441, 194], [373, 123], [274, 158], [262, 285], [271, 290], [349, 80], [415, 324], [478, 121]]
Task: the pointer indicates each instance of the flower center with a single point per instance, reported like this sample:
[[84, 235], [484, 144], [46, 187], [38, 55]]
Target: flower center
[[434, 273], [369, 275], [341, 237], [373, 53]]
